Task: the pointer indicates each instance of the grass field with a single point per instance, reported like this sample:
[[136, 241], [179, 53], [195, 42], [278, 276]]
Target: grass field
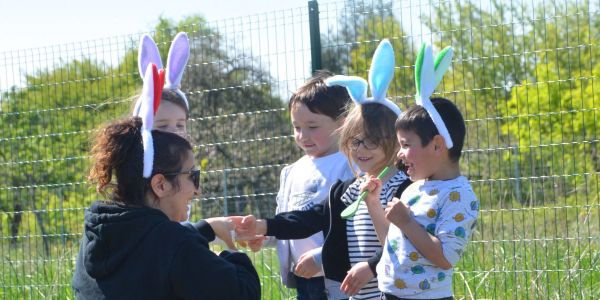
[[516, 253]]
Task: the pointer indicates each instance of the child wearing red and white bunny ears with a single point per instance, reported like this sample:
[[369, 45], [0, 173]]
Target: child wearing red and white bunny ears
[[174, 111]]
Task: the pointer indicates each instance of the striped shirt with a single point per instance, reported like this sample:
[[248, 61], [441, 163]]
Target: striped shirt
[[362, 239]]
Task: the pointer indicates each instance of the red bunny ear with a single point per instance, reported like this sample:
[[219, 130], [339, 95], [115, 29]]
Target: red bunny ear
[[158, 76]]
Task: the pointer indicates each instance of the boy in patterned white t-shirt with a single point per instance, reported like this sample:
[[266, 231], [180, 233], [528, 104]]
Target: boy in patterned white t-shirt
[[432, 221]]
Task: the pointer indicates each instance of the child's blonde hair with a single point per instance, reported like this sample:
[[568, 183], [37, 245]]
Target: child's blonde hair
[[373, 121]]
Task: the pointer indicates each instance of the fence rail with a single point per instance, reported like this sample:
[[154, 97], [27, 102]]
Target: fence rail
[[525, 75]]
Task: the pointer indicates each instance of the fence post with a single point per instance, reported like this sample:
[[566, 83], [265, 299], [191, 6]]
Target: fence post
[[315, 35], [225, 204]]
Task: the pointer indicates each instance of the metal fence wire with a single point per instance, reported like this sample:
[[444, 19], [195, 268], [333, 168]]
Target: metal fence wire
[[524, 75]]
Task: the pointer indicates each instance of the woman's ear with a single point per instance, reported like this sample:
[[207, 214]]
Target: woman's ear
[[160, 185]]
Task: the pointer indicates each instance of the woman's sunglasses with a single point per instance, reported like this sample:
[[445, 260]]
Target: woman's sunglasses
[[194, 176]]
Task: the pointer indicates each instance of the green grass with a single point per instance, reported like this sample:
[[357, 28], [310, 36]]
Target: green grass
[[516, 253]]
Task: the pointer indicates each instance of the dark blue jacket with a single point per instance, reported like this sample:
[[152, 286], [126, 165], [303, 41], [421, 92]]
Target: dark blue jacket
[[138, 253]]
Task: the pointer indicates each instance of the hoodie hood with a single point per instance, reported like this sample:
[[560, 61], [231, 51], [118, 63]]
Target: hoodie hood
[[113, 232]]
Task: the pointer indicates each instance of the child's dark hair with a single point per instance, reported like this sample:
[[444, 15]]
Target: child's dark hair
[[373, 121], [417, 120], [321, 99], [118, 151], [175, 98]]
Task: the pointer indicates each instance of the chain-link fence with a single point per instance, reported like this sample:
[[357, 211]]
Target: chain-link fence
[[524, 74]]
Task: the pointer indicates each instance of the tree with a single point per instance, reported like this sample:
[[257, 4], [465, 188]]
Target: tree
[[46, 139], [488, 43], [553, 109]]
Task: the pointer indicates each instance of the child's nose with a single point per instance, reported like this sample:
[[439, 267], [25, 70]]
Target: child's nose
[[303, 134], [400, 154]]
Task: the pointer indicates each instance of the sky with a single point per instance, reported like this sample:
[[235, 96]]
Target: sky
[[30, 24]]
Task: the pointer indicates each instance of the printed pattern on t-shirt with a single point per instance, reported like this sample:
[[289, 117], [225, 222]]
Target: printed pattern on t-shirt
[[447, 210]]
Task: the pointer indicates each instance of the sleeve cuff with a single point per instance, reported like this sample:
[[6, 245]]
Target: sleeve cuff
[[205, 230]]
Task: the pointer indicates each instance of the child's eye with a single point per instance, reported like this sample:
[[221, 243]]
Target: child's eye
[[313, 127], [162, 127]]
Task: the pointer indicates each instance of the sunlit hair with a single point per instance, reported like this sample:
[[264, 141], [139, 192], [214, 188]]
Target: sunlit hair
[[321, 99], [175, 98], [168, 96], [373, 121]]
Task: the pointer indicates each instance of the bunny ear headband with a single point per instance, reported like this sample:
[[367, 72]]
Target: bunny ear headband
[[178, 56], [428, 74], [380, 76], [149, 101]]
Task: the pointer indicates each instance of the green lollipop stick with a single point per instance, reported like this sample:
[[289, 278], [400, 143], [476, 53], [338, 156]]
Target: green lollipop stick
[[352, 208]]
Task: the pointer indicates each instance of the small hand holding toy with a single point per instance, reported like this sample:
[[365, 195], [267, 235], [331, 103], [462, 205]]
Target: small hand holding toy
[[350, 211]]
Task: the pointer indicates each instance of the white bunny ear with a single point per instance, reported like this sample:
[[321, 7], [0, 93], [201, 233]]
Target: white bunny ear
[[442, 63], [382, 69], [179, 54], [148, 53], [146, 112], [356, 86]]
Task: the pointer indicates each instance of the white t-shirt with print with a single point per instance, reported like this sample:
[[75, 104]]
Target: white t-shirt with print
[[447, 209]]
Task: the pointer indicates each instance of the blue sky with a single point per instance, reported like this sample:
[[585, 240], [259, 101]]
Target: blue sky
[[29, 24]]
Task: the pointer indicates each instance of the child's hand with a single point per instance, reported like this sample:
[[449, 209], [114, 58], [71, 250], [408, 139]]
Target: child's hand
[[256, 244], [373, 187], [246, 229], [307, 267], [397, 213], [357, 277]]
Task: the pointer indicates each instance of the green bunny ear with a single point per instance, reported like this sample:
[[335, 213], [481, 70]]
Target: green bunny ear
[[442, 63], [419, 67]]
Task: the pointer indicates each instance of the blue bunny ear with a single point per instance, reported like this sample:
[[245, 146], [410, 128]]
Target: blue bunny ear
[[442, 63], [147, 54], [356, 86], [382, 69]]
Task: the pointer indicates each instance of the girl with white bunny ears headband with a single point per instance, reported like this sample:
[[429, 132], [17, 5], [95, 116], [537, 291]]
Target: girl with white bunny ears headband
[[428, 74], [154, 77], [169, 79], [380, 76]]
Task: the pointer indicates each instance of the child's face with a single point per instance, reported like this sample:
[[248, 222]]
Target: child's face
[[419, 160], [367, 155], [171, 118], [314, 133]]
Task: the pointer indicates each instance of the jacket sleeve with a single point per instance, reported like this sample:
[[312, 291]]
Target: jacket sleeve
[[297, 224], [203, 228], [374, 260], [198, 272]]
